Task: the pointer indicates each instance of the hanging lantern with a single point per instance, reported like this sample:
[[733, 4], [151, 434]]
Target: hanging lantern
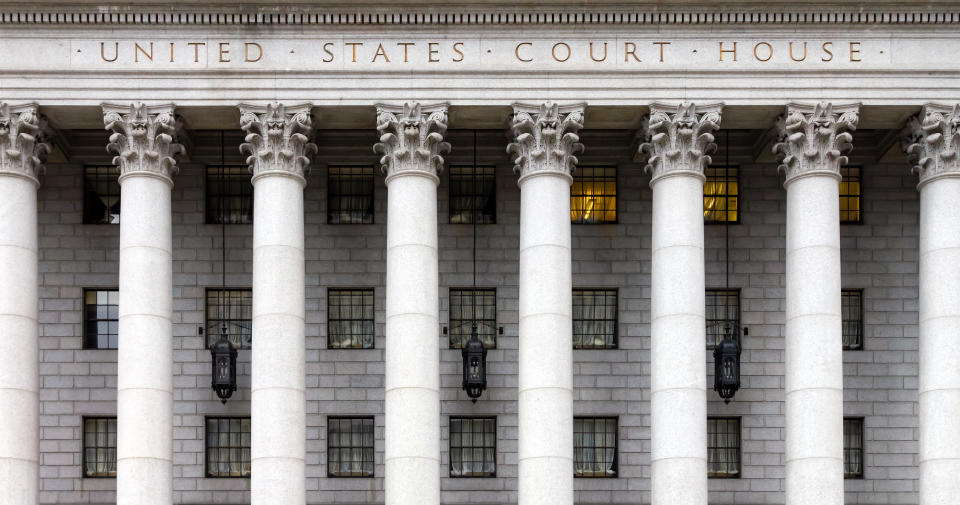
[[224, 366], [474, 366], [726, 362]]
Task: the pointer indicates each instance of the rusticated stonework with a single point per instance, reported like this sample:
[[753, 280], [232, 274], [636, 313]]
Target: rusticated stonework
[[144, 139], [932, 140], [411, 139], [278, 139], [545, 138], [815, 138], [22, 149], [679, 138]]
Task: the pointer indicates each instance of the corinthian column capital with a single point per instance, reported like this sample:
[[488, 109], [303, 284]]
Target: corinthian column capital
[[931, 141], [411, 139], [545, 138], [22, 149], [679, 138], [278, 139], [815, 139], [144, 139]]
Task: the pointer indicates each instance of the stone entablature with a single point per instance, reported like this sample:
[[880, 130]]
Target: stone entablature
[[22, 147], [815, 139], [679, 138], [144, 139]]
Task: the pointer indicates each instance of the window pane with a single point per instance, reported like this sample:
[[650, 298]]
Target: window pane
[[852, 448], [468, 306], [350, 195], [101, 195], [229, 195], [350, 322], [723, 308], [852, 310], [100, 447], [850, 193], [350, 450], [595, 447], [101, 316], [228, 447], [595, 318], [473, 192], [235, 308], [723, 447], [593, 195], [473, 444], [720, 194]]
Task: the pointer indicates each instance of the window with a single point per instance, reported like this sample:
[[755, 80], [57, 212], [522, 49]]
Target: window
[[100, 447], [850, 195], [101, 195], [723, 447], [473, 447], [228, 447], [721, 195], [594, 318], [350, 195], [229, 200], [350, 319], [593, 195], [595, 447], [723, 305], [234, 307], [852, 447], [463, 302], [852, 310], [350, 447], [473, 191], [100, 318]]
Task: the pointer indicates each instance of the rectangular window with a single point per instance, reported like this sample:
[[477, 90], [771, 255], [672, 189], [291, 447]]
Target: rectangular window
[[228, 447], [723, 307], [721, 195], [100, 447], [850, 193], [595, 447], [852, 447], [350, 195], [350, 323], [229, 195], [350, 447], [723, 447], [593, 195], [101, 195], [468, 306], [852, 310], [100, 318], [594, 318], [234, 307], [473, 446], [473, 192]]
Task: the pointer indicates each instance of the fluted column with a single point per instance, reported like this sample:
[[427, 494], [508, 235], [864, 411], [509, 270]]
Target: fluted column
[[934, 152], [22, 153], [411, 141], [679, 139], [544, 147], [144, 140], [279, 149], [813, 142]]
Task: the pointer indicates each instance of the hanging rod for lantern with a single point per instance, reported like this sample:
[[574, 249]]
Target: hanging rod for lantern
[[223, 354], [474, 353]]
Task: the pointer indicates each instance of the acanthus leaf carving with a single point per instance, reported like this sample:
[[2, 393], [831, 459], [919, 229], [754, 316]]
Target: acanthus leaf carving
[[278, 139], [545, 138], [144, 138], [932, 139], [815, 138], [411, 138], [679, 138], [23, 150]]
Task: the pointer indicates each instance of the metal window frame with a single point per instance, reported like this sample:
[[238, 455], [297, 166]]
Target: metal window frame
[[616, 195], [616, 448], [373, 301], [859, 196], [373, 426], [373, 192], [450, 448], [726, 194], [83, 309], [739, 421], [206, 446], [83, 448], [616, 320], [206, 319], [450, 319], [83, 211], [860, 328], [492, 195], [863, 444], [727, 291], [210, 180]]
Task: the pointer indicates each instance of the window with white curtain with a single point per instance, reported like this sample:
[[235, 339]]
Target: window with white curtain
[[228, 447], [473, 446], [853, 447], [723, 447], [350, 193], [594, 318], [595, 447], [350, 447], [100, 447]]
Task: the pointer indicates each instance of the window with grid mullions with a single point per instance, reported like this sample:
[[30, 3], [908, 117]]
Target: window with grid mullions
[[230, 199], [721, 195], [234, 307], [350, 447], [473, 192], [100, 447], [722, 307], [228, 447], [852, 310], [853, 447], [595, 446], [101, 195], [850, 195], [468, 306], [593, 195], [350, 321], [594, 318], [473, 447], [100, 318], [350, 195], [723, 447]]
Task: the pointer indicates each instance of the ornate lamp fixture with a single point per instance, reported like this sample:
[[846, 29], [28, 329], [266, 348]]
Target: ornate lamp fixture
[[726, 355], [223, 353], [474, 353]]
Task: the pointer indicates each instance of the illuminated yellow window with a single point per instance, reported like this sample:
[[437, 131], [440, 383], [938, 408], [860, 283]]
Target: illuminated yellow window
[[850, 195], [593, 196], [721, 195]]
